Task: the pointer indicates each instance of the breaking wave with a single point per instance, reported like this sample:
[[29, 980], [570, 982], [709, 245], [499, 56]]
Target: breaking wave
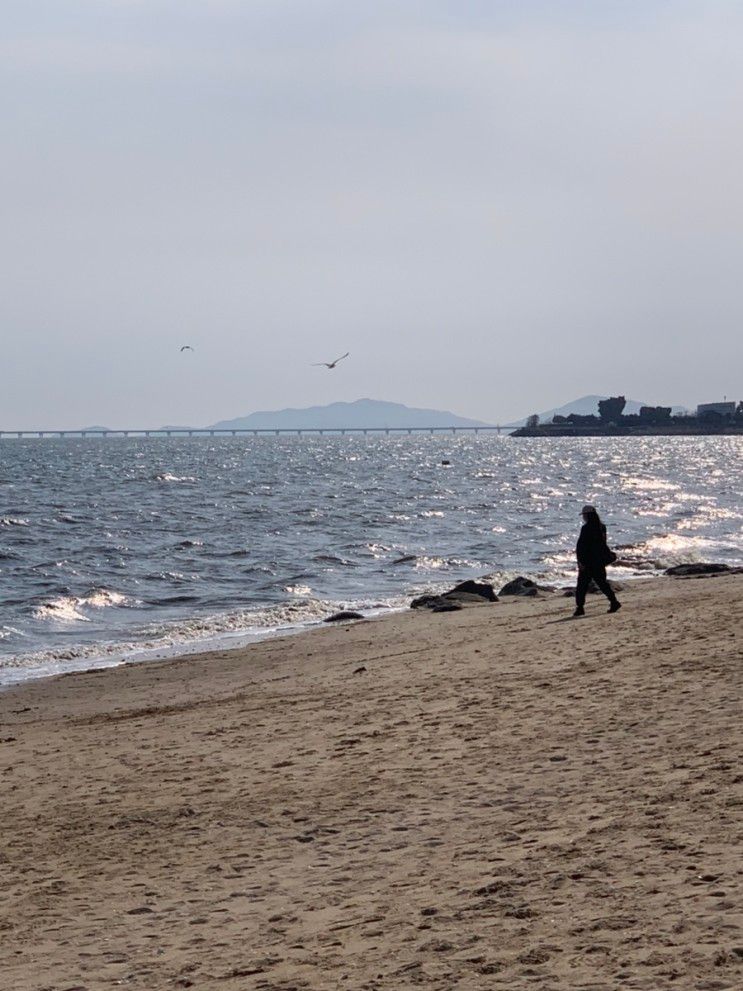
[[196, 634], [69, 608]]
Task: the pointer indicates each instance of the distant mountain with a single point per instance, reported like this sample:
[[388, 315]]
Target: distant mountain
[[586, 406], [367, 413], [96, 428]]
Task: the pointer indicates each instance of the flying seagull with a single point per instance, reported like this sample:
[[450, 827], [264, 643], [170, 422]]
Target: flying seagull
[[186, 347], [331, 364]]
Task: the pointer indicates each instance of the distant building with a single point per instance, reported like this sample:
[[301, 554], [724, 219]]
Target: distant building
[[655, 414], [716, 411], [610, 410]]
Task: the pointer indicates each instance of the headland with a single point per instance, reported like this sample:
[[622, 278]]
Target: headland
[[711, 419]]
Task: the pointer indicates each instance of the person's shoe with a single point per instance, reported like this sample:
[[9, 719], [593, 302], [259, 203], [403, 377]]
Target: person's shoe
[[615, 606], [580, 611]]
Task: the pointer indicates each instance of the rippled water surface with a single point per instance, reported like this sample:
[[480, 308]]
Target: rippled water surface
[[111, 545]]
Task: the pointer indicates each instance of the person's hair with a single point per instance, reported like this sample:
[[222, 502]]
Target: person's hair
[[592, 518]]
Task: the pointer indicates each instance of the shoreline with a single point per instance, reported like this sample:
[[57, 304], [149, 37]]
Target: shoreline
[[494, 797], [127, 653], [228, 641]]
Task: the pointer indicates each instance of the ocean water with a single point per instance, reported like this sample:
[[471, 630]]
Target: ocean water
[[118, 547]]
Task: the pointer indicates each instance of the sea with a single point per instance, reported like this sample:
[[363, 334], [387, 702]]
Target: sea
[[123, 549]]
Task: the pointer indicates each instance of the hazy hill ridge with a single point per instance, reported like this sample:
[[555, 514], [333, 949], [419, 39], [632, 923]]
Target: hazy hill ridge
[[361, 413]]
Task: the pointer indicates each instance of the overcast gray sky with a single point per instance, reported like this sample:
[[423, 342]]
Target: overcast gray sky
[[496, 207]]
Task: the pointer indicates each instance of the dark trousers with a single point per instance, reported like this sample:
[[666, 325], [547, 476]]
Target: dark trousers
[[585, 576]]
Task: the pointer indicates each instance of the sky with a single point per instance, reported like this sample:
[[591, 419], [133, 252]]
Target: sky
[[496, 207]]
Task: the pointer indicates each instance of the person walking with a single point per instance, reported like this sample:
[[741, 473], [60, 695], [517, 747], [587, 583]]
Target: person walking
[[593, 556]]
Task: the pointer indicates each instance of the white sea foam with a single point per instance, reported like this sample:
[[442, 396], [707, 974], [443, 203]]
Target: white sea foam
[[13, 521], [298, 589], [434, 563], [9, 631], [68, 608], [430, 563], [234, 628], [64, 609], [103, 598]]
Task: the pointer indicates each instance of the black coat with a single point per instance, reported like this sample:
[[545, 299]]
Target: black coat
[[591, 550]]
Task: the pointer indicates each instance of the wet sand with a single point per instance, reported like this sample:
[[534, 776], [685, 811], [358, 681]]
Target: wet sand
[[497, 797]]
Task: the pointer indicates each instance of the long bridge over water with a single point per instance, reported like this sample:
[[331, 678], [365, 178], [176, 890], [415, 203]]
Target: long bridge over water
[[243, 431]]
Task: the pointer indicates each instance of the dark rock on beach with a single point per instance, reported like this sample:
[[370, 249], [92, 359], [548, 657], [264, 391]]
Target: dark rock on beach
[[693, 570], [481, 590], [426, 602], [466, 593], [340, 617], [523, 586], [519, 586]]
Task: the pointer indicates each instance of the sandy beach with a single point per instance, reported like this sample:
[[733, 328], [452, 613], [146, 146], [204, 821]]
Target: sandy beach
[[497, 797]]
